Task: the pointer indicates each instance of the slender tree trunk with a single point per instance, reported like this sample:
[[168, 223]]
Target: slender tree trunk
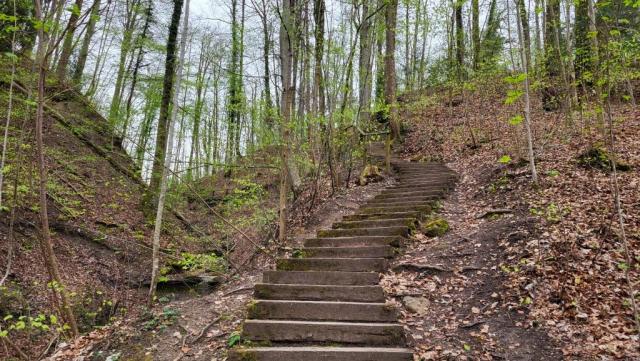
[[67, 45], [524, 25], [527, 103], [46, 245], [150, 200], [136, 68], [166, 153], [364, 64], [459, 40], [389, 67], [86, 42], [129, 26], [5, 138], [475, 32]]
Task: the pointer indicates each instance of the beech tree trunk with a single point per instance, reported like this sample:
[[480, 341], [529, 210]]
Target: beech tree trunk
[[46, 245], [150, 199]]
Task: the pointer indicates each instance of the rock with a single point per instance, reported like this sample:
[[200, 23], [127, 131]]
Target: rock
[[435, 227], [419, 305]]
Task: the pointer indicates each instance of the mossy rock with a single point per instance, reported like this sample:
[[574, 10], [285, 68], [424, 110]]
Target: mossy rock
[[435, 227], [598, 157]]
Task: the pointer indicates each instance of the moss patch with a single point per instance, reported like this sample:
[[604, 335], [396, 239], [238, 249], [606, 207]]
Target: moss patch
[[435, 227], [597, 157]]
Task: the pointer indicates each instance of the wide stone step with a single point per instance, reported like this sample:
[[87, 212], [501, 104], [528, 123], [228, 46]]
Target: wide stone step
[[401, 201], [424, 184], [420, 178], [332, 264], [374, 223], [325, 332], [353, 241], [424, 194], [387, 215], [348, 252], [322, 311], [303, 292], [321, 278], [322, 353], [374, 231], [418, 188], [394, 208]]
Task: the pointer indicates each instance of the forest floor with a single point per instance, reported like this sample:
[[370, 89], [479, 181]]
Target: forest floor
[[542, 277], [201, 326]]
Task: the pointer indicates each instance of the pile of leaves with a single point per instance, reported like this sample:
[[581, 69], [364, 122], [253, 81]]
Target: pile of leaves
[[572, 268]]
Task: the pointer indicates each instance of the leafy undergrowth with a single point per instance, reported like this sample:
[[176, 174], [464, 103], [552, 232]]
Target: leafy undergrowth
[[101, 238], [567, 273]]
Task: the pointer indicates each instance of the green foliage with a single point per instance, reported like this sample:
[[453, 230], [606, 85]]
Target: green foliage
[[234, 339], [505, 159], [160, 321], [516, 120], [552, 213], [597, 157], [435, 227], [200, 263]]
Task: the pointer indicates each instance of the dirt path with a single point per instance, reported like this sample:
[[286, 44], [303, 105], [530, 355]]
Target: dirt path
[[456, 306]]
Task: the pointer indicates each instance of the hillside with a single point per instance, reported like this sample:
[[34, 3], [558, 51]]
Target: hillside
[[101, 238]]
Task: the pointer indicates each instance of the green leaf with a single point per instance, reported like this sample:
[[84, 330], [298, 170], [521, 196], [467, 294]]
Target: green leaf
[[623, 266], [516, 120], [512, 96], [53, 319], [7, 317], [466, 347], [234, 339], [504, 159]]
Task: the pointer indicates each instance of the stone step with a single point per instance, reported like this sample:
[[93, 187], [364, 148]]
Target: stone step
[[392, 208], [422, 176], [389, 215], [426, 184], [326, 332], [402, 201], [374, 231], [428, 194], [353, 241], [332, 264], [322, 311], [320, 353], [321, 278], [303, 292], [373, 223], [348, 252]]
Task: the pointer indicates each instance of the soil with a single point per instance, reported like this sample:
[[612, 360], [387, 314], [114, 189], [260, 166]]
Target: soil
[[469, 312]]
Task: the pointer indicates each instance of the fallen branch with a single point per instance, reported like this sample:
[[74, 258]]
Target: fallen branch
[[205, 329]]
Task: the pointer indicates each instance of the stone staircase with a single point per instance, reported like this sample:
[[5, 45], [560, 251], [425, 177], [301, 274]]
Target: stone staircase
[[327, 304]]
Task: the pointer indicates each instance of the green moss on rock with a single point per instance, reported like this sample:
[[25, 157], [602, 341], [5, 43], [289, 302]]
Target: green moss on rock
[[435, 227]]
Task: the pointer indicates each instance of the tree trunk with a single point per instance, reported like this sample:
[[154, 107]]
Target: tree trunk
[[86, 42], [390, 67], [364, 64], [459, 40], [150, 199], [286, 69], [475, 32], [524, 24], [527, 103], [166, 154], [46, 245], [67, 45], [114, 109]]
